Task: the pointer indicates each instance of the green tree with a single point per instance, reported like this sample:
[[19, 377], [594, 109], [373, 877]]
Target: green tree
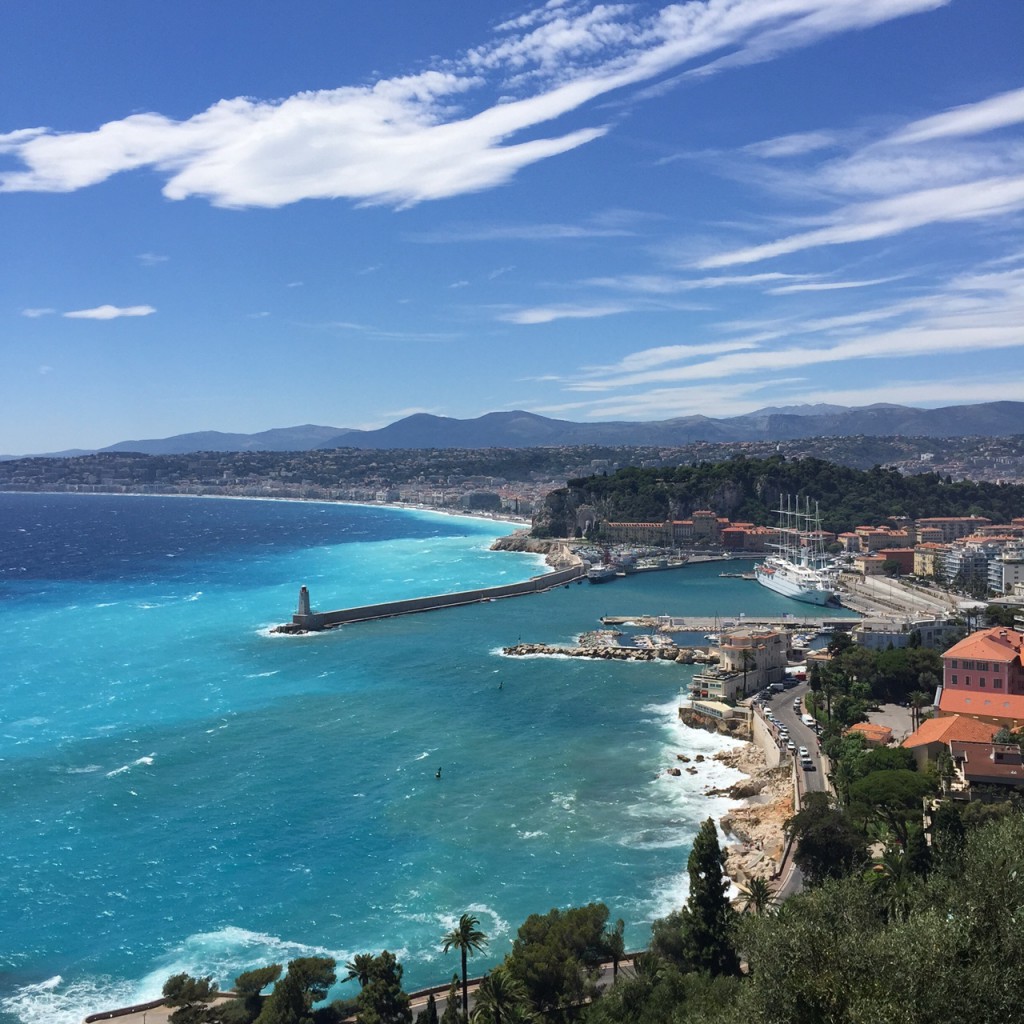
[[359, 968], [758, 895], [892, 796], [500, 999], [192, 996], [306, 983], [615, 946], [467, 939], [700, 936], [556, 956], [828, 845], [451, 1013], [428, 1015], [382, 1000], [249, 986]]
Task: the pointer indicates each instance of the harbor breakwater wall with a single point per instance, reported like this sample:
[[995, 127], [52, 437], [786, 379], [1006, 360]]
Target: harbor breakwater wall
[[313, 621]]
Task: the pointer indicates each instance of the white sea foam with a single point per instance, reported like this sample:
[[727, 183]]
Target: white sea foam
[[262, 675], [56, 1001]]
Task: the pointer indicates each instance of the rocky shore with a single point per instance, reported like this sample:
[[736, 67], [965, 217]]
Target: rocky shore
[[610, 652], [756, 825]]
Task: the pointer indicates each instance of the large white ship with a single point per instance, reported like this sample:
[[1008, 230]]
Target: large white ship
[[800, 568]]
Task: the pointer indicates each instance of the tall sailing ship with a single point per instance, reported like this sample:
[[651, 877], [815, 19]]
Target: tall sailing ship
[[800, 567]]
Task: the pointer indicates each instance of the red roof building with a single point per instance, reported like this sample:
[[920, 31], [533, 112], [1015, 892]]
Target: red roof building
[[934, 734], [988, 660]]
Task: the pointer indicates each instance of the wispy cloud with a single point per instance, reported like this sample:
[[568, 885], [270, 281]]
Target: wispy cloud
[[948, 168], [35, 312], [456, 128], [548, 314], [109, 312], [973, 313], [977, 200], [151, 259]]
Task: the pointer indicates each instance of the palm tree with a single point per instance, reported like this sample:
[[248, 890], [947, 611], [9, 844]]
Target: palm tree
[[359, 968], [759, 896], [615, 946], [467, 939], [747, 661], [500, 999]]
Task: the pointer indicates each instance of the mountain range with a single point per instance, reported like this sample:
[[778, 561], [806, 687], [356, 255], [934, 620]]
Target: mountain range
[[519, 429]]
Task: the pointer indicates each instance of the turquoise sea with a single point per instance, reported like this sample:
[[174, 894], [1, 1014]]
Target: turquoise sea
[[183, 790]]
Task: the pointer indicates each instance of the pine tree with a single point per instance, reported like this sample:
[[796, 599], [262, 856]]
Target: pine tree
[[700, 936]]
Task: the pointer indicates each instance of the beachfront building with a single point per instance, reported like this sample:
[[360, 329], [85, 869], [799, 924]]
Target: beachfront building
[[748, 660]]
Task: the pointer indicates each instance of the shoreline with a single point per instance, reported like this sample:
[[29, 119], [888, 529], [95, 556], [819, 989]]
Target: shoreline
[[755, 824]]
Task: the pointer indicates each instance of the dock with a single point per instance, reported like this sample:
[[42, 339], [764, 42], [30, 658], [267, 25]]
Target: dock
[[707, 624]]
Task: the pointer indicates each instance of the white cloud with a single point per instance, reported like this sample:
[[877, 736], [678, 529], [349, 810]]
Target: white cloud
[[970, 119], [792, 145], [33, 313], [548, 314], [151, 259], [109, 312], [976, 200], [411, 139]]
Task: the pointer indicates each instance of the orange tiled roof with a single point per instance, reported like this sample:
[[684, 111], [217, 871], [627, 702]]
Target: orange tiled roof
[[975, 702], [872, 731], [996, 644], [951, 727]]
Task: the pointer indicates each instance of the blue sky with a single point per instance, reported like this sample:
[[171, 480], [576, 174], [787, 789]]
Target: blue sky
[[236, 216]]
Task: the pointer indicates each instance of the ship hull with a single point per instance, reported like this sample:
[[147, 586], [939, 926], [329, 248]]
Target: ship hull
[[780, 579]]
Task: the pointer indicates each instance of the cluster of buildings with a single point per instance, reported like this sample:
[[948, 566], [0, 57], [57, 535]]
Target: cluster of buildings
[[970, 551], [982, 694]]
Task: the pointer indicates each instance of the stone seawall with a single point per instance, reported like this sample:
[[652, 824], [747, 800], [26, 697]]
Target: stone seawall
[[316, 620]]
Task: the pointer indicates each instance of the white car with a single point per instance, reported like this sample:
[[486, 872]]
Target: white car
[[803, 752], [791, 746]]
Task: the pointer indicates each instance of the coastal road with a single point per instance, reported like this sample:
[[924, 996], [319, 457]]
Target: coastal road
[[781, 705]]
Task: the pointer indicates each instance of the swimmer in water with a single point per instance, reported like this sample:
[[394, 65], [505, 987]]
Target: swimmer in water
[[437, 774]]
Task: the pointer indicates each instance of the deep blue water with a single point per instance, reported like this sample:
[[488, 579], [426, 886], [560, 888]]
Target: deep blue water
[[182, 790]]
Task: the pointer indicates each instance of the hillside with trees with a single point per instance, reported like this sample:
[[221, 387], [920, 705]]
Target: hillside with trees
[[748, 490]]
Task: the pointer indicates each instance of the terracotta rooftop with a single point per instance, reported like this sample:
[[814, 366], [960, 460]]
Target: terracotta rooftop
[[950, 727], [989, 762], [974, 702], [996, 644], [870, 731]]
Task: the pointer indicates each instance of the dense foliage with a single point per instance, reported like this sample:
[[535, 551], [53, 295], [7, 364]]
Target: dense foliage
[[748, 490]]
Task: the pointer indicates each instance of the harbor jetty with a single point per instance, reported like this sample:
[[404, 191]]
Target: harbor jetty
[[307, 620]]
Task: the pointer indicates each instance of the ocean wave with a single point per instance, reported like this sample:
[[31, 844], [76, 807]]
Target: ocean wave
[[56, 1001]]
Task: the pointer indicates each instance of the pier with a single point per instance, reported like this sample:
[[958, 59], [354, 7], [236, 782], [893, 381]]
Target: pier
[[707, 624], [306, 620]]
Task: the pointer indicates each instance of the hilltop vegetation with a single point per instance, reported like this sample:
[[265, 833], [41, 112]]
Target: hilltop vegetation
[[748, 490]]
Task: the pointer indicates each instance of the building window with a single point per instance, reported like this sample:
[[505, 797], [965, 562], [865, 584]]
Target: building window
[[997, 684], [967, 680], [981, 681], [952, 680], [952, 662]]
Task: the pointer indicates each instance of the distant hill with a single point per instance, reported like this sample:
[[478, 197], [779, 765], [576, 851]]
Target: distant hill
[[280, 439], [518, 429], [523, 429]]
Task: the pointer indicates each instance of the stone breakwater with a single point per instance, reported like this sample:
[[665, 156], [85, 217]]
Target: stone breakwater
[[682, 655]]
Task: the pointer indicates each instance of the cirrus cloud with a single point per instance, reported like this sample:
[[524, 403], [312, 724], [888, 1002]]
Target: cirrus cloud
[[109, 312]]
